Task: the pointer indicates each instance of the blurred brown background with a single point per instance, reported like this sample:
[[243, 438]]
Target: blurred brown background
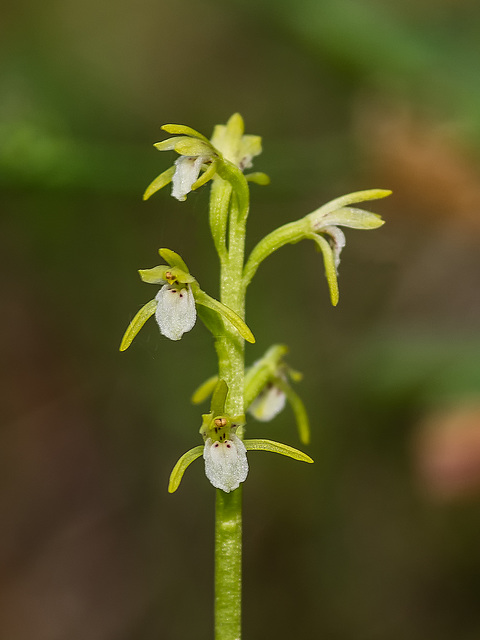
[[380, 538]]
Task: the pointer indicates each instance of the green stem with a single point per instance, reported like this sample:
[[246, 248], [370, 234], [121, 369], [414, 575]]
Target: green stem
[[228, 565], [230, 349]]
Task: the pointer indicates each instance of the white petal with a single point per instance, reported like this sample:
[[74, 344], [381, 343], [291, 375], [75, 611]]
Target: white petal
[[187, 170], [176, 312], [268, 403], [226, 464]]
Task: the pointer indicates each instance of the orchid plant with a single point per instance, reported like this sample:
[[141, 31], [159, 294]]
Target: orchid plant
[[264, 388]]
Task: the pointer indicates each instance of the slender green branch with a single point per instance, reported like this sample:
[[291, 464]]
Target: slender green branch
[[287, 234]]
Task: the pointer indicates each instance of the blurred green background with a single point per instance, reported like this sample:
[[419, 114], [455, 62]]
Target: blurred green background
[[378, 539]]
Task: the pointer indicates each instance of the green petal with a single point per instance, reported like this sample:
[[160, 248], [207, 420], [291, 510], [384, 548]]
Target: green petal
[[329, 262], [276, 447], [204, 299], [156, 275], [206, 176], [301, 416], [205, 390], [137, 323], [258, 177], [184, 130], [173, 259], [250, 146], [181, 466], [159, 182], [351, 217], [170, 143]]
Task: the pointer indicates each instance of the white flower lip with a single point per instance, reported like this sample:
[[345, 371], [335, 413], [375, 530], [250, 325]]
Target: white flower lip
[[226, 464], [176, 312], [187, 170], [269, 402]]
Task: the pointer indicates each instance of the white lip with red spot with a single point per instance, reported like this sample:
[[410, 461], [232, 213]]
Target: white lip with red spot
[[175, 313], [226, 464]]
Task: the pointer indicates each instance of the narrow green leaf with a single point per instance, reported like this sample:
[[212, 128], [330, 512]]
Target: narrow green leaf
[[276, 447], [137, 323], [184, 130], [160, 181], [204, 299], [181, 466]]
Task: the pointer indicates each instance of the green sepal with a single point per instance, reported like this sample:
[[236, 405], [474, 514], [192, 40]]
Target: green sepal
[[228, 171], [206, 176], [205, 300], [250, 146], [160, 181], [301, 416], [137, 323], [219, 396], [170, 143], [157, 275], [258, 177], [193, 147], [276, 447], [354, 198], [329, 262], [181, 129], [181, 466], [205, 390], [173, 259]]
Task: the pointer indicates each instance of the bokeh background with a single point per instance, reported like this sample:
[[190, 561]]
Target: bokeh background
[[380, 538]]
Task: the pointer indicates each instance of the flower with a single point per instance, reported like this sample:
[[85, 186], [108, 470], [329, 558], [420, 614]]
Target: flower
[[322, 228], [225, 454], [229, 153], [226, 464], [267, 390], [175, 304]]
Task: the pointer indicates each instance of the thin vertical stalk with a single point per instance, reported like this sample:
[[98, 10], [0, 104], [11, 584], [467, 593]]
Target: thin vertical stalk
[[228, 565], [228, 513]]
